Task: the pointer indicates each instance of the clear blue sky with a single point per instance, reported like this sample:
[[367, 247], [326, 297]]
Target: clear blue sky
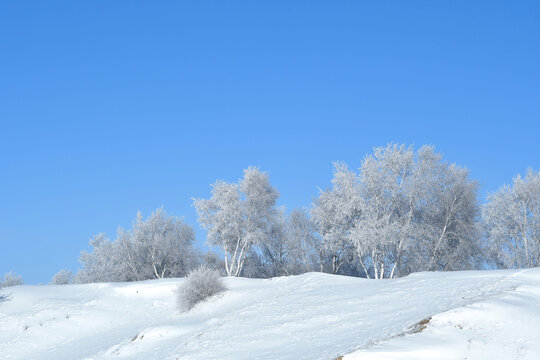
[[107, 107]]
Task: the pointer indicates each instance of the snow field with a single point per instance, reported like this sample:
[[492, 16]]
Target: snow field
[[310, 316]]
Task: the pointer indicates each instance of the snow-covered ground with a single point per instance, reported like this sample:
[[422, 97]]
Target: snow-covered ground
[[472, 315]]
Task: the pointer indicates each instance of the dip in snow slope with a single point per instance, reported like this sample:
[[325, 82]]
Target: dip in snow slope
[[474, 315]]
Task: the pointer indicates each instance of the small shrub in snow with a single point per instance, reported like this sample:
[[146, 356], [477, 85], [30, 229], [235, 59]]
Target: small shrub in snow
[[12, 279], [62, 277], [200, 284]]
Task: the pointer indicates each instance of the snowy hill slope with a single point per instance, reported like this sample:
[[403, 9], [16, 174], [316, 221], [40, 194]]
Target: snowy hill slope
[[311, 316]]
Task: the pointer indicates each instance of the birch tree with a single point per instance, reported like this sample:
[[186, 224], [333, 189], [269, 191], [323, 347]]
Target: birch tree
[[292, 246], [306, 245], [278, 256], [334, 213], [238, 215], [164, 245], [512, 222], [102, 263], [449, 233], [386, 209]]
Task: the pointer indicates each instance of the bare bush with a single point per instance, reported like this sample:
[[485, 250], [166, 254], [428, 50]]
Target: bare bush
[[199, 285]]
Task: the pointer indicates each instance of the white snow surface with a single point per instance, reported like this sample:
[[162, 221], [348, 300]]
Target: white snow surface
[[453, 315]]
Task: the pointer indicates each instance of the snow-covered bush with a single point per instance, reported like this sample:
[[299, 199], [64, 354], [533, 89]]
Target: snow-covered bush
[[12, 279], [200, 284], [62, 277]]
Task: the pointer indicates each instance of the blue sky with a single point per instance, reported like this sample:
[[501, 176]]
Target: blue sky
[[111, 107]]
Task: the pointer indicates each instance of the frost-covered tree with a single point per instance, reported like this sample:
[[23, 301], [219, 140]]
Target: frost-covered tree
[[334, 213], [62, 277], [277, 251], [238, 215], [213, 261], [405, 211], [254, 265], [291, 247], [163, 247], [449, 236], [418, 212], [157, 247], [386, 209], [306, 245], [12, 279], [512, 221], [103, 263]]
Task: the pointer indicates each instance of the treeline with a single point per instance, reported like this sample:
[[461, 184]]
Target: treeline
[[403, 211]]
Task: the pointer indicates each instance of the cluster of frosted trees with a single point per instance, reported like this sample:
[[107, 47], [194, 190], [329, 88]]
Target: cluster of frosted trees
[[11, 279], [404, 210], [157, 247]]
